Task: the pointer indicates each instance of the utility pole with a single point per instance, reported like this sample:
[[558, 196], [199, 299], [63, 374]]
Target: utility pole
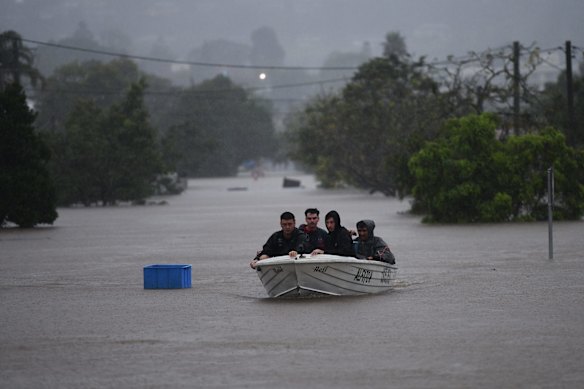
[[570, 94], [550, 200], [516, 86]]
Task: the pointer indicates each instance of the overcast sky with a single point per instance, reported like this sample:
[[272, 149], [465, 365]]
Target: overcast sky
[[309, 29]]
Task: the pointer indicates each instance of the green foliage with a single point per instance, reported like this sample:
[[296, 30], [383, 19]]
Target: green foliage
[[365, 136], [103, 83], [218, 126], [27, 194], [530, 156], [310, 133], [454, 174], [206, 130], [497, 209], [185, 147], [107, 155], [469, 176]]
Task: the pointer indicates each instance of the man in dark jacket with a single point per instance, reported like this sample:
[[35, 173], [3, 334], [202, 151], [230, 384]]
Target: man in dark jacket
[[339, 240], [288, 241], [316, 235], [369, 246]]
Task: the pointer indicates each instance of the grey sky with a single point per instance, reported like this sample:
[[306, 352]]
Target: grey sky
[[309, 29]]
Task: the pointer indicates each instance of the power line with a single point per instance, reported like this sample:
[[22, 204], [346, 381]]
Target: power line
[[180, 62], [461, 60], [192, 63], [469, 58]]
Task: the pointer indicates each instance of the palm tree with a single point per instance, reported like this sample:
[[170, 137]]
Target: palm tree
[[16, 60]]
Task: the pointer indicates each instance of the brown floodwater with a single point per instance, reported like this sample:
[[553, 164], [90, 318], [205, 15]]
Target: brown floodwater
[[474, 306]]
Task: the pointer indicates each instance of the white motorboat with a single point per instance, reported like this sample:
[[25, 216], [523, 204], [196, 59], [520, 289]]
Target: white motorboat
[[324, 274]]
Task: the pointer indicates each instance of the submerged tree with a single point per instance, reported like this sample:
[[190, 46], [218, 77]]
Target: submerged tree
[[217, 126], [107, 155], [366, 135], [103, 83], [457, 175], [27, 193], [469, 176], [314, 139]]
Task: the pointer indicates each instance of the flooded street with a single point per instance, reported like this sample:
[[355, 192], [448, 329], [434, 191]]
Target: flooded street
[[475, 306]]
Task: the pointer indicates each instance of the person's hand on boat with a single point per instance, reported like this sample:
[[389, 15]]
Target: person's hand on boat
[[293, 254], [257, 258], [317, 251]]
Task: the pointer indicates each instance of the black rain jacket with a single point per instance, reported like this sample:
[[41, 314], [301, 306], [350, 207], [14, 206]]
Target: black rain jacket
[[339, 240], [278, 245]]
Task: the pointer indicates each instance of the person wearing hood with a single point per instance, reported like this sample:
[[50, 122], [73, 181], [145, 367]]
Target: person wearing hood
[[369, 246], [338, 240]]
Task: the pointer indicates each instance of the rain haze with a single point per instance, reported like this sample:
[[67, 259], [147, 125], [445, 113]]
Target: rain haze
[[307, 30], [477, 305]]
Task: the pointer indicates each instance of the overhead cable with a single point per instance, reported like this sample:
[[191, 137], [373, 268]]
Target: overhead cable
[[192, 63]]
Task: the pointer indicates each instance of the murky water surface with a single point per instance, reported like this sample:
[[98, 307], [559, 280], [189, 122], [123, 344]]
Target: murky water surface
[[474, 305]]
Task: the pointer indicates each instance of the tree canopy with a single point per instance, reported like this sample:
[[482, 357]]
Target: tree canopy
[[217, 125], [16, 61], [365, 135], [103, 83], [107, 154], [383, 131], [27, 193], [468, 175]]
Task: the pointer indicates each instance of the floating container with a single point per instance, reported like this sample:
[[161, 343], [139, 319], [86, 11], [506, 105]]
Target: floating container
[[290, 183], [167, 276]]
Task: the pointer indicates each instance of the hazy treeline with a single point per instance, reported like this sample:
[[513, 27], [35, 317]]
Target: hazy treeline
[[113, 127], [109, 139], [404, 127]]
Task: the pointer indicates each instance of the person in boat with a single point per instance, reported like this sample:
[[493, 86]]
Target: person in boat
[[339, 241], [369, 246], [288, 241], [316, 235]]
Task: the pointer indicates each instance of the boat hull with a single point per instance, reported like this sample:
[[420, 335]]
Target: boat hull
[[324, 274]]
